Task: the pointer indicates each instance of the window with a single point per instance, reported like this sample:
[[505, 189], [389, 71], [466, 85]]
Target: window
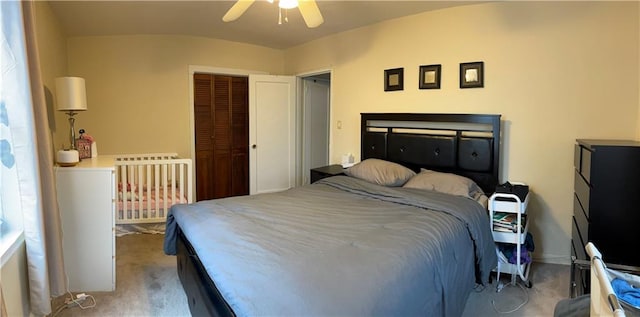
[[10, 211], [16, 131]]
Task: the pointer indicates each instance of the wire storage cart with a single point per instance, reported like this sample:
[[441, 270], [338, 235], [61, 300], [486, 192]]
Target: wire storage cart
[[512, 207]]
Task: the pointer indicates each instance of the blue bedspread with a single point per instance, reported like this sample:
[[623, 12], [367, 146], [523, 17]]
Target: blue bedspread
[[340, 246]]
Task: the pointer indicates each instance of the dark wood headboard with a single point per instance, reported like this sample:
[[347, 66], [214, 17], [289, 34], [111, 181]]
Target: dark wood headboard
[[464, 144]]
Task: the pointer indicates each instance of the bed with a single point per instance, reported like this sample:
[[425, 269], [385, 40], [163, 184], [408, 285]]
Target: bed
[[352, 245]]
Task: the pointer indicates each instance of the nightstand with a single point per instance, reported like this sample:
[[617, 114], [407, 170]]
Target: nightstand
[[319, 173]]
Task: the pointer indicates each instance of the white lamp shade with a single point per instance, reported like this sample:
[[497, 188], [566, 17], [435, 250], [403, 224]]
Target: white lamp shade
[[71, 94]]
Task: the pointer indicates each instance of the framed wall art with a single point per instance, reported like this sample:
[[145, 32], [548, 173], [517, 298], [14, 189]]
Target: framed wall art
[[430, 76], [472, 75], [394, 79]]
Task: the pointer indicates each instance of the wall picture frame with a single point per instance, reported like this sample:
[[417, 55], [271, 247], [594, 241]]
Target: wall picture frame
[[430, 76], [393, 79], [472, 75]]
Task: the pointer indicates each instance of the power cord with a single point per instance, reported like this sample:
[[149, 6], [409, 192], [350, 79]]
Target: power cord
[[526, 300], [76, 301], [79, 300]]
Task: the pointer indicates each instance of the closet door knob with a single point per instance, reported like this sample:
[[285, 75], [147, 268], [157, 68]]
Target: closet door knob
[[254, 146]]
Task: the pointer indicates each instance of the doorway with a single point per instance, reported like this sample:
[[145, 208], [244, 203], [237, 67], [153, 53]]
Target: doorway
[[299, 142], [316, 104]]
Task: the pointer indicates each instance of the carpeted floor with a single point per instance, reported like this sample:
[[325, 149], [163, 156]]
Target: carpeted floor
[[550, 284], [147, 285]]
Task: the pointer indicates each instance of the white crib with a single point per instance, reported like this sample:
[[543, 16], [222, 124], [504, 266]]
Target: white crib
[[149, 184]]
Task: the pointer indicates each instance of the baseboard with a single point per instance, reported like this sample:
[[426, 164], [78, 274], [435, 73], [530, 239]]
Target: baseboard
[[552, 259]]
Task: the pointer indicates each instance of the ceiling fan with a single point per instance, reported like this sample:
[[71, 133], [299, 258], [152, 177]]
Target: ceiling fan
[[308, 8]]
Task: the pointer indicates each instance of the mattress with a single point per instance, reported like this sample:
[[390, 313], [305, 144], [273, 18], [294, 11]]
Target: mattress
[[340, 246], [149, 200]]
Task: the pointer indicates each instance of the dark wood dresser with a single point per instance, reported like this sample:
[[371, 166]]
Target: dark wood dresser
[[606, 204]]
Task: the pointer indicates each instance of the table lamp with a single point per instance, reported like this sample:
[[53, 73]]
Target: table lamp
[[71, 98]]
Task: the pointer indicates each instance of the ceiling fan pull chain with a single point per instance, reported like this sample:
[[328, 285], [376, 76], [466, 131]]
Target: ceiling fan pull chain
[[279, 16], [286, 16]]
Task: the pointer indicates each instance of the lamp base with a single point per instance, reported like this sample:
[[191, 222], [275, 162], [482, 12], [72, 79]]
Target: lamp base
[[67, 158]]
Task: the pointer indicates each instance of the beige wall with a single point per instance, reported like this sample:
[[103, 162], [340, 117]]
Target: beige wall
[[138, 86], [52, 51], [555, 71]]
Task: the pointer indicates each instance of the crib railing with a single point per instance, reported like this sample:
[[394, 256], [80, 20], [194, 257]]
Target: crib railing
[[149, 184]]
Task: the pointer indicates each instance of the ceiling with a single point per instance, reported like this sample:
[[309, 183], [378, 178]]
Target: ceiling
[[258, 25]]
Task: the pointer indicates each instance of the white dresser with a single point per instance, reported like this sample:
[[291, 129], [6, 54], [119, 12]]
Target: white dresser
[[86, 196]]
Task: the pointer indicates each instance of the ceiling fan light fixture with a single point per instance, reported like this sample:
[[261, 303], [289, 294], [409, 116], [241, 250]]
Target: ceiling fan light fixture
[[287, 4], [308, 9]]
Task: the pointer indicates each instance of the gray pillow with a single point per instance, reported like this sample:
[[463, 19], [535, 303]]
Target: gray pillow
[[380, 172], [445, 183]]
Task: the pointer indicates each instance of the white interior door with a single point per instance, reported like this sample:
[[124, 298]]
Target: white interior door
[[272, 137]]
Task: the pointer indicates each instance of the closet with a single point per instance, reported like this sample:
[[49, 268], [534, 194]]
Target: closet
[[221, 124]]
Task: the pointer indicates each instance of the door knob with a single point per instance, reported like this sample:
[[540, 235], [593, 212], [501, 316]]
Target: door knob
[[254, 146]]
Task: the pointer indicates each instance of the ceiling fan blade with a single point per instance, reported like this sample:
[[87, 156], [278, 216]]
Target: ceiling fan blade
[[237, 10], [310, 13]]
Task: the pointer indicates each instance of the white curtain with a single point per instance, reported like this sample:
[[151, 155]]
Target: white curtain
[[22, 94], [3, 308]]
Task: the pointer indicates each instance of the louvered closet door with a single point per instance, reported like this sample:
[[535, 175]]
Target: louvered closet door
[[203, 114], [239, 136], [221, 128]]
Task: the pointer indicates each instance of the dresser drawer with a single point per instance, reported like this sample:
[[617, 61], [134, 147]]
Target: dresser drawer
[[581, 220], [577, 156], [582, 191], [585, 164], [582, 161], [578, 244]]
